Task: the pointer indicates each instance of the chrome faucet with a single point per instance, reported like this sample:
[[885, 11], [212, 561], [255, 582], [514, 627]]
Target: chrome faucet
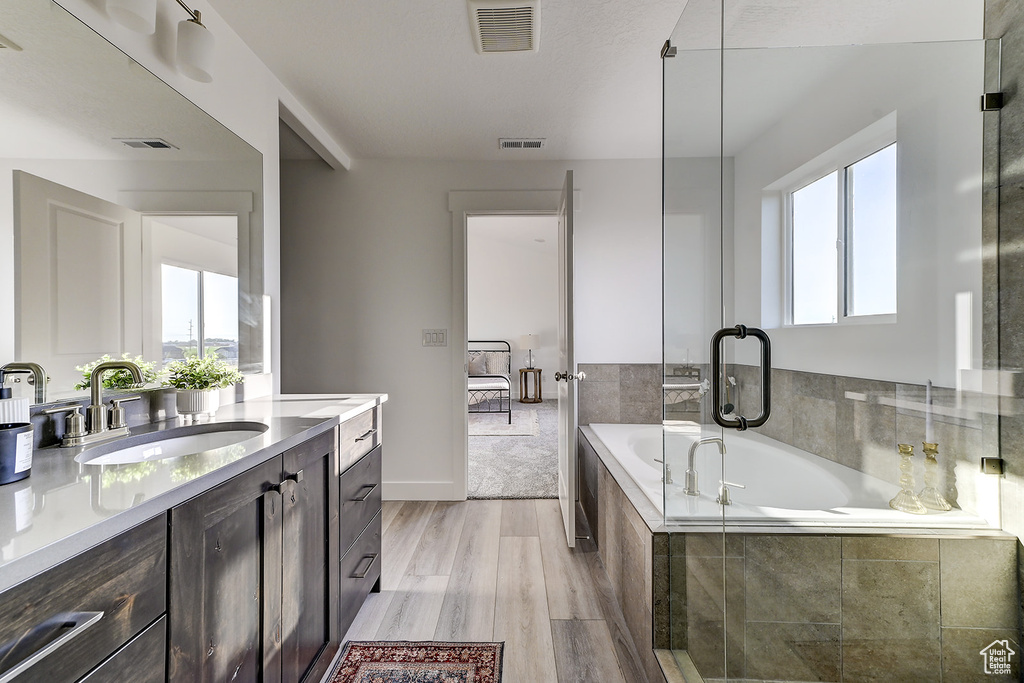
[[691, 463], [97, 412], [37, 372]]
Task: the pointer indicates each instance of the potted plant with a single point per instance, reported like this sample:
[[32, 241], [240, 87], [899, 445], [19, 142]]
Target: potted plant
[[118, 379], [197, 381]]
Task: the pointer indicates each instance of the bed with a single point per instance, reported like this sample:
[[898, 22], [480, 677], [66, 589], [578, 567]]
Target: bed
[[489, 383]]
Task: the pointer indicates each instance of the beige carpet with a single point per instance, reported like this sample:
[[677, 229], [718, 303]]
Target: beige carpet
[[524, 423]]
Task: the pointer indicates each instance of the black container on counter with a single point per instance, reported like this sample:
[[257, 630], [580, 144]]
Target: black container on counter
[[15, 451]]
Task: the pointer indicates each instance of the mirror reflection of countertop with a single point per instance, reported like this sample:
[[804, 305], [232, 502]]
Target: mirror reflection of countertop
[[65, 507]]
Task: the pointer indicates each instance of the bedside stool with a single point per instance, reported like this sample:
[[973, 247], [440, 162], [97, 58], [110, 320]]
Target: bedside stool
[[524, 397]]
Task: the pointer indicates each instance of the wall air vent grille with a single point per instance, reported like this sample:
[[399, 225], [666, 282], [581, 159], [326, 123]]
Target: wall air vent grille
[[521, 143], [505, 25], [146, 143]]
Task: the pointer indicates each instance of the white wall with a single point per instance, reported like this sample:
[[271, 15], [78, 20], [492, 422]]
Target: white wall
[[244, 96], [367, 263], [512, 285], [934, 90]]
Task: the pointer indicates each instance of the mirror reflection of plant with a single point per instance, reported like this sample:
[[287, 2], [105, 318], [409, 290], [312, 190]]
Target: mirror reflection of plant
[[118, 379], [126, 474], [189, 467], [201, 373]]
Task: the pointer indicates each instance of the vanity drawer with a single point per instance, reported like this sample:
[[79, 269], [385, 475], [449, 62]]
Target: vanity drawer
[[142, 660], [358, 436], [360, 569], [102, 597], [360, 497]]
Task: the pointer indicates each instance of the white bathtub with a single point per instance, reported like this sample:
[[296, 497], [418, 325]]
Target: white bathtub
[[782, 483]]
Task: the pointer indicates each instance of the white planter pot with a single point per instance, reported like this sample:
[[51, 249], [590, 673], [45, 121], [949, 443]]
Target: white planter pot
[[198, 401]]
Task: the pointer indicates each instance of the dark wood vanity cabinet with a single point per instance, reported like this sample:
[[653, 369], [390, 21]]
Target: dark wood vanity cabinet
[[360, 448], [91, 614], [253, 588]]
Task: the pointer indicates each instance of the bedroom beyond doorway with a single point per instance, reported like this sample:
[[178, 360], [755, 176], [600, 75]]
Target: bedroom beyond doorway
[[512, 296]]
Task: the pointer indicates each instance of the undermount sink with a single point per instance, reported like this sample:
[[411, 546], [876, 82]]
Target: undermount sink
[[171, 443]]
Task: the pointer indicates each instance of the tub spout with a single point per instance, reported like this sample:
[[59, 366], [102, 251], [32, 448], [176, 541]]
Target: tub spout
[[691, 463]]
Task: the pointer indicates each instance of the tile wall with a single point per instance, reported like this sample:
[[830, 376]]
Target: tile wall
[[844, 608], [620, 393]]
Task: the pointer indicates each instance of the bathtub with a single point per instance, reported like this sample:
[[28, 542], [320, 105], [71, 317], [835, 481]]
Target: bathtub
[[783, 483]]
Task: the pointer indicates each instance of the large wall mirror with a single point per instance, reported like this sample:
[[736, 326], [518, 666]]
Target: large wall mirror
[[130, 220]]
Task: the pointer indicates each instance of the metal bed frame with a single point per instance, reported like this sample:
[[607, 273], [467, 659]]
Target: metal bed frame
[[492, 400]]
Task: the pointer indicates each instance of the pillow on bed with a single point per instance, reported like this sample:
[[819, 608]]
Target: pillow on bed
[[477, 363], [497, 363]]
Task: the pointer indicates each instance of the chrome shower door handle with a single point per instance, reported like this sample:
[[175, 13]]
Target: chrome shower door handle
[[741, 332]]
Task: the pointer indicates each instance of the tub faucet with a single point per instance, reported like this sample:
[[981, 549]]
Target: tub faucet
[[691, 463], [38, 376]]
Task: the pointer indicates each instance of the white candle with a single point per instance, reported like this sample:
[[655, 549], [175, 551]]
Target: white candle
[[929, 433]]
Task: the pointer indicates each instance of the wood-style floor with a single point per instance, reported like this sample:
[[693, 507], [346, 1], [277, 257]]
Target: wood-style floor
[[499, 570]]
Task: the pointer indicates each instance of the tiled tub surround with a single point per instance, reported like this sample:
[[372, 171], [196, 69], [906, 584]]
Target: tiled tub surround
[[858, 422], [620, 393], [841, 605]]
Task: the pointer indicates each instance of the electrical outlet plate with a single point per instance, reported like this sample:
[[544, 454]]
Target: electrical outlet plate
[[435, 337]]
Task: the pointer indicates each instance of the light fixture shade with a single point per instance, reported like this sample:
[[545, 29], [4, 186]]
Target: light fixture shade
[[137, 15], [195, 51], [529, 341]]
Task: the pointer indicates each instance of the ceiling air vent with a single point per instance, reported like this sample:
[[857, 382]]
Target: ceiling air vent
[[146, 143], [521, 143], [505, 25]]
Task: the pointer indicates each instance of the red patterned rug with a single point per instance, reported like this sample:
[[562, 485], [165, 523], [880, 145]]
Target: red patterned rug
[[419, 662]]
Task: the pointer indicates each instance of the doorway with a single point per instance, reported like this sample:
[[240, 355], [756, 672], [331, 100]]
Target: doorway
[[512, 299]]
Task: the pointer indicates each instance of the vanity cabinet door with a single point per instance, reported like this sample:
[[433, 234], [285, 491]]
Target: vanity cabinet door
[[310, 586], [224, 616]]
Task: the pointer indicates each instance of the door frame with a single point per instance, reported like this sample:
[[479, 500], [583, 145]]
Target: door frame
[[462, 204]]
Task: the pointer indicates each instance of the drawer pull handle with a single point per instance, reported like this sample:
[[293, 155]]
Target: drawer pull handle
[[362, 574], [78, 621], [367, 435], [369, 489]]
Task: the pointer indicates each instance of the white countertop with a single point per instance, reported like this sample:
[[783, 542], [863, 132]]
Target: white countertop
[[65, 507]]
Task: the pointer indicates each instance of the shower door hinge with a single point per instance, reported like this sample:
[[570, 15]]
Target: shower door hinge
[[992, 466], [667, 50], [992, 101]]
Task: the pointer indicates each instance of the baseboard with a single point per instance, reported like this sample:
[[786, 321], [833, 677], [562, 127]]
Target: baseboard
[[419, 490]]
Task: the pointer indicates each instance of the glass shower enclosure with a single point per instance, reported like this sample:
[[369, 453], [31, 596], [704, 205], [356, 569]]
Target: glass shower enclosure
[[838, 374]]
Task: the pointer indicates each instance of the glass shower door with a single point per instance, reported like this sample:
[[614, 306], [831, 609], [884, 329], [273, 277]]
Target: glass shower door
[[824, 182], [696, 179]]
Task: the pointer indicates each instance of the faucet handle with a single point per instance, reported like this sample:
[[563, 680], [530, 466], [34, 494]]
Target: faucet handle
[[117, 417], [74, 425]]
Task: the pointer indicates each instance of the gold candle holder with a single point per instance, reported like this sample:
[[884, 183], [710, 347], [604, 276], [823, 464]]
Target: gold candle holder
[[930, 496], [906, 500]]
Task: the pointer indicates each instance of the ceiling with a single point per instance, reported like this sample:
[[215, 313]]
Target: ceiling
[[401, 78], [67, 94]]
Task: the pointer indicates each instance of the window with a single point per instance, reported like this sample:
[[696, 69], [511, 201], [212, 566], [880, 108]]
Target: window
[[199, 304], [842, 237]]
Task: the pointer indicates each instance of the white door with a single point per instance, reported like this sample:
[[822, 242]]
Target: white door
[[78, 262], [566, 377]]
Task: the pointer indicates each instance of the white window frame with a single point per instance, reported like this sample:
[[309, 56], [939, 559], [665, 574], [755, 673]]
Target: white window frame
[[873, 139]]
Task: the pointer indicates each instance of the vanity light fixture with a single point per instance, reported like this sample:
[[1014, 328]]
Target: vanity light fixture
[[137, 15], [195, 47]]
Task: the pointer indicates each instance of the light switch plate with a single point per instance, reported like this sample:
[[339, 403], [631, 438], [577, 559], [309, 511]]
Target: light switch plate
[[435, 337]]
